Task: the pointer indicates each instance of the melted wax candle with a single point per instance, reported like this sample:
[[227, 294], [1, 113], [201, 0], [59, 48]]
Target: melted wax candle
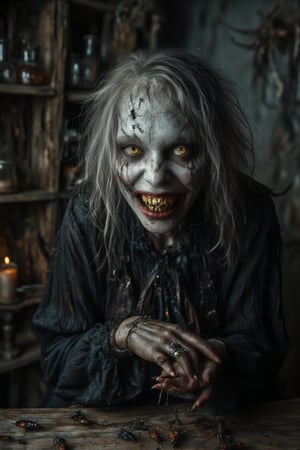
[[8, 281]]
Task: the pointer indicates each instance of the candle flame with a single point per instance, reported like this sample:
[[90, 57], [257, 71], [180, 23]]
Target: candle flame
[[6, 260]]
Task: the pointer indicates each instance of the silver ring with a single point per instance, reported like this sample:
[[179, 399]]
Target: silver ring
[[176, 350]]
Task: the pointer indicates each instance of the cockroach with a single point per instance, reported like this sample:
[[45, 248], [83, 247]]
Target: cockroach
[[127, 435], [174, 437], [81, 418], [154, 434], [59, 443], [28, 425]]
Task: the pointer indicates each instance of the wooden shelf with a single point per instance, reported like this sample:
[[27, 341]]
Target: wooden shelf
[[34, 196], [77, 96], [97, 6], [18, 89]]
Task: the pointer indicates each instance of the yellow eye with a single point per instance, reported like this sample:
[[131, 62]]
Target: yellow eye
[[132, 150], [180, 151]]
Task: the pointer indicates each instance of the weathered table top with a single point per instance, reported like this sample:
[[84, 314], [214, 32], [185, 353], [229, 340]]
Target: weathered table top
[[268, 426]]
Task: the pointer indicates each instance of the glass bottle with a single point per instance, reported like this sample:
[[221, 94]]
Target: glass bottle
[[29, 70], [89, 62], [7, 70]]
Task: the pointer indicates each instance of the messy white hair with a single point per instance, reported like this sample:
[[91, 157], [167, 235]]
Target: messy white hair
[[212, 109]]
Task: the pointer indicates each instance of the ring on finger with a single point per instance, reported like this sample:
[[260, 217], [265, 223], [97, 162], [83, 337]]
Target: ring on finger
[[161, 359], [176, 350]]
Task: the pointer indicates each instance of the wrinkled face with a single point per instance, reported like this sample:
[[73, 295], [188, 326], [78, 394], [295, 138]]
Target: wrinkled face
[[158, 164]]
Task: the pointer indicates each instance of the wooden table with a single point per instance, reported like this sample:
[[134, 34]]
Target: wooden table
[[266, 427]]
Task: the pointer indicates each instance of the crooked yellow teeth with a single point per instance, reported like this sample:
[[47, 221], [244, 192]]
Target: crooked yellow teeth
[[158, 204]]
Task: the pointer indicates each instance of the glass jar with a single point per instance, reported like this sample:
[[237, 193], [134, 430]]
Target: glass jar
[[7, 69], [29, 69], [89, 62]]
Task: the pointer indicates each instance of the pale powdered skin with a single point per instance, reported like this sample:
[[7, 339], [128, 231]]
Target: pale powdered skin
[[158, 165]]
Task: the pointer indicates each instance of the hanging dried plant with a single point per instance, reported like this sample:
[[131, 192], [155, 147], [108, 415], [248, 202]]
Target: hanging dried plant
[[276, 62]]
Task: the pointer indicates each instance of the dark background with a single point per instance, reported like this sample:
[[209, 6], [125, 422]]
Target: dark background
[[216, 29]]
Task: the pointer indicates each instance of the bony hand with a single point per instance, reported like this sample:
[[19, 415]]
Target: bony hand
[[204, 380], [176, 350]]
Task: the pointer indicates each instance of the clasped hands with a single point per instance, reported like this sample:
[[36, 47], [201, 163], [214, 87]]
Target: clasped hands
[[189, 363]]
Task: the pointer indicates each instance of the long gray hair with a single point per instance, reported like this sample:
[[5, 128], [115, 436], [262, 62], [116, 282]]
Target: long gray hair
[[210, 106]]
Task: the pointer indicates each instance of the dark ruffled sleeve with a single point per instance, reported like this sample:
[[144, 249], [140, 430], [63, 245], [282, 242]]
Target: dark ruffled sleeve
[[254, 329], [78, 363]]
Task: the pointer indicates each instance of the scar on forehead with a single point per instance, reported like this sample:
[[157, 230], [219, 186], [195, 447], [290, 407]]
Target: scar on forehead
[[138, 127], [132, 113]]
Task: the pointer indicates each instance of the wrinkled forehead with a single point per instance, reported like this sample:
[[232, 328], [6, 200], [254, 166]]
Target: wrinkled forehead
[[148, 89], [147, 99]]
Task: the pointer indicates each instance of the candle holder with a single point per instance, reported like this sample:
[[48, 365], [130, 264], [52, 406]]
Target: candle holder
[[8, 282]]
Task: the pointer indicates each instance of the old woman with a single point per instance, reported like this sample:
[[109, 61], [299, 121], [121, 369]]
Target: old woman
[[165, 278]]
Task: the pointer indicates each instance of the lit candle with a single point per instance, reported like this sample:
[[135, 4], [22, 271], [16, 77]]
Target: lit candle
[[8, 281]]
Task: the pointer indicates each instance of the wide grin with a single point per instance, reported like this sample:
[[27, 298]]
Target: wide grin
[[159, 203]]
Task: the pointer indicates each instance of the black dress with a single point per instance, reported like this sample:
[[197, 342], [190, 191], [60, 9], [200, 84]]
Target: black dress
[[187, 283]]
